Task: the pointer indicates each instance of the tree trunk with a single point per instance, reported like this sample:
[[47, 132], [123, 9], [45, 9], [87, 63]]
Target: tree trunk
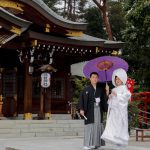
[[103, 10], [69, 9], [107, 24], [65, 6], [74, 7]]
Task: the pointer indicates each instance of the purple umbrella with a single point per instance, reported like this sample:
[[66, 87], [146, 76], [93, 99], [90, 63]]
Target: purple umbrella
[[104, 66]]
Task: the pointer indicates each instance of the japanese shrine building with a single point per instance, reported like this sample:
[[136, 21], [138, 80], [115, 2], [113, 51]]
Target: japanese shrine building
[[32, 35]]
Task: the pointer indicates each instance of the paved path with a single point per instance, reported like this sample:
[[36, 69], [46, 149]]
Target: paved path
[[61, 143]]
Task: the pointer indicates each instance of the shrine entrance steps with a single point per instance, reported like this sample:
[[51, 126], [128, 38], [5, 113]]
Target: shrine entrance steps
[[40, 128]]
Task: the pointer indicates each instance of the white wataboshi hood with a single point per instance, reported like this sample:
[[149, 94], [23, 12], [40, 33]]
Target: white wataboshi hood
[[121, 73]]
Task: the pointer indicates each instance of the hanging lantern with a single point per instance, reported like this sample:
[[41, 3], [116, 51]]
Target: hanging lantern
[[45, 79]]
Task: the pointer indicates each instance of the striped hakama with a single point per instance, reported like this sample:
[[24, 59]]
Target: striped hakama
[[93, 131]]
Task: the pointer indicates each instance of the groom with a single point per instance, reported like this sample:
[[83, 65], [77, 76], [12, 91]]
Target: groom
[[92, 104]]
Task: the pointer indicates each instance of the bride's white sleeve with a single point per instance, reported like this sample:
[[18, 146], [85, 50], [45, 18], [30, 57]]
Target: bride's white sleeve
[[124, 98], [120, 100], [122, 105]]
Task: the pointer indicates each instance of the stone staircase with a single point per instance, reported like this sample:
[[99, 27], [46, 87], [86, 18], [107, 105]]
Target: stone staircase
[[40, 128]]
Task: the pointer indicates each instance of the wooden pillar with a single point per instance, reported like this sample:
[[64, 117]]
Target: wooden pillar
[[42, 97], [1, 96], [27, 92], [15, 94], [47, 104], [45, 101]]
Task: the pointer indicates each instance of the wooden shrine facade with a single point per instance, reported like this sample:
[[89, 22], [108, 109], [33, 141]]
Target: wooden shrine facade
[[32, 36]]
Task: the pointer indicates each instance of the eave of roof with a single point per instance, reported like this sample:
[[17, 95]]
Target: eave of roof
[[81, 41], [106, 43], [85, 40], [113, 44], [14, 19]]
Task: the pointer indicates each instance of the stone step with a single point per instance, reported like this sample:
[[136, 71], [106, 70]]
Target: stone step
[[61, 116], [40, 128]]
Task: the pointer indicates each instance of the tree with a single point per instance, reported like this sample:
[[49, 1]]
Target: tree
[[74, 9], [102, 5], [95, 23], [137, 36], [69, 9], [133, 109], [117, 19], [51, 4], [79, 84]]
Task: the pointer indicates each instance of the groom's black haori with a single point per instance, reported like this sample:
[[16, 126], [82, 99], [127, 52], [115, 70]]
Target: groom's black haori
[[87, 100]]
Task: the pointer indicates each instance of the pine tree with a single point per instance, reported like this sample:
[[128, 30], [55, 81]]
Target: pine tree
[[95, 23], [74, 9]]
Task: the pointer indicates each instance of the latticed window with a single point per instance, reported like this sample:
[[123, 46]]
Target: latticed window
[[9, 83], [58, 88], [55, 91], [36, 87]]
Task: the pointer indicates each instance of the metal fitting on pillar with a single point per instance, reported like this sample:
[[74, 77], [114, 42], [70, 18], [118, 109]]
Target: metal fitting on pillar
[[28, 116]]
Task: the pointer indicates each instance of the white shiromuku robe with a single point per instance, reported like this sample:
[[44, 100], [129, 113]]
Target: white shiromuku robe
[[116, 130]]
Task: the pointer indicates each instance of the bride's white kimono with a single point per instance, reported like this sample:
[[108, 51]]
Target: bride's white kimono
[[116, 130]]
